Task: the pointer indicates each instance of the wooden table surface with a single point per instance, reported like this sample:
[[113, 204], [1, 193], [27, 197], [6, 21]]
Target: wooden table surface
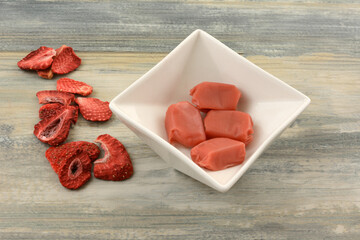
[[305, 186]]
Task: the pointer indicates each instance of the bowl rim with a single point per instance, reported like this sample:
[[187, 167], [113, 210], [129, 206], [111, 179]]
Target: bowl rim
[[150, 134]]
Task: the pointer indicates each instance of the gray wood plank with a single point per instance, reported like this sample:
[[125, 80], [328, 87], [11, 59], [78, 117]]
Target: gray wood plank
[[304, 186], [253, 27]]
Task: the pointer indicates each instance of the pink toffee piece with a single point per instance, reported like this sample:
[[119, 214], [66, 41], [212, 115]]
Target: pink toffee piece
[[218, 153], [184, 125], [212, 95], [230, 124]]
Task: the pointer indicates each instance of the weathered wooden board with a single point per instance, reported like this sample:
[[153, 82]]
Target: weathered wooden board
[[269, 28], [305, 186]]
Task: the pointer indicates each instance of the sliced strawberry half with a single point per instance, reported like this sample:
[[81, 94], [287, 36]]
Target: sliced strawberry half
[[46, 73], [39, 59], [75, 170], [53, 109], [53, 96], [73, 86], [57, 155], [55, 130], [94, 109], [50, 110], [116, 164], [65, 61]]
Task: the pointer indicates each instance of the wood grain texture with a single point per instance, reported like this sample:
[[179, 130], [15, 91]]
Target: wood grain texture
[[304, 186], [269, 28], [306, 183]]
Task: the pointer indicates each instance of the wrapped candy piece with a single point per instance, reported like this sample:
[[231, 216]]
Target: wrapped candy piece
[[184, 124], [230, 124], [218, 153], [212, 95]]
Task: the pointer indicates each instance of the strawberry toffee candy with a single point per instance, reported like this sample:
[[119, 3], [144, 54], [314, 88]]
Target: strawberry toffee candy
[[212, 95], [229, 124], [184, 125], [218, 153]]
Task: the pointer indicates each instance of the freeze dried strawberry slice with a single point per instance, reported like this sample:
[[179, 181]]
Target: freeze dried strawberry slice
[[65, 61], [53, 96], [116, 164], [50, 110], [53, 109], [94, 109], [75, 170], [46, 73], [57, 155], [38, 60], [55, 130], [73, 86]]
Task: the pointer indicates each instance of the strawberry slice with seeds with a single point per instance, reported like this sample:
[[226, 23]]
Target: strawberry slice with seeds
[[75, 170], [53, 96], [46, 73], [50, 110], [55, 130], [57, 155], [94, 109], [53, 109], [73, 86], [116, 164], [65, 61], [39, 59]]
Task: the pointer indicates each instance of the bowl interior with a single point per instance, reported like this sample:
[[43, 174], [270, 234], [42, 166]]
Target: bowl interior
[[271, 103]]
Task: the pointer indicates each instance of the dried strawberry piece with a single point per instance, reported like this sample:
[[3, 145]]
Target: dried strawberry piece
[[53, 109], [46, 73], [76, 114], [116, 164], [94, 109], [53, 96], [73, 86], [55, 130], [65, 61], [38, 60], [75, 171], [57, 155], [50, 110]]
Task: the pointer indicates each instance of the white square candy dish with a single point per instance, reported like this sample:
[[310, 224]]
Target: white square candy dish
[[272, 104]]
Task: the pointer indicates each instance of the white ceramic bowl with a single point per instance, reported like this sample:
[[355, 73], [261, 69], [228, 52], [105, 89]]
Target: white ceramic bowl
[[273, 104]]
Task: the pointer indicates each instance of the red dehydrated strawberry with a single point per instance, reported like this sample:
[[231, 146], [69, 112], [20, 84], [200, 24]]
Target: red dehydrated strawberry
[[46, 73], [94, 109], [53, 96], [73, 86], [116, 164], [38, 60], [76, 114], [50, 110], [56, 155], [65, 61], [75, 171], [55, 130]]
